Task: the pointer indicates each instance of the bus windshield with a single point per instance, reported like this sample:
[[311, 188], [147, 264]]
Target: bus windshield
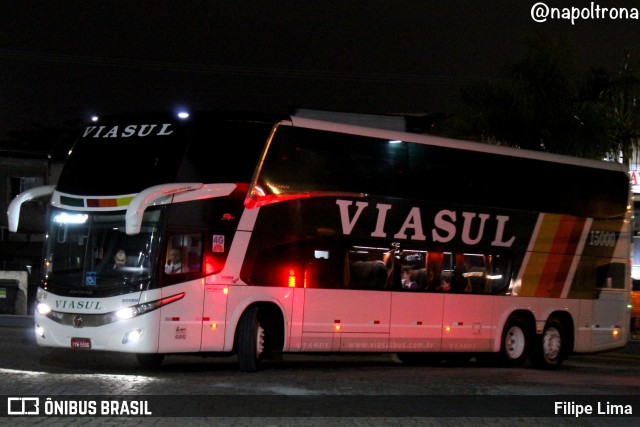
[[90, 253]]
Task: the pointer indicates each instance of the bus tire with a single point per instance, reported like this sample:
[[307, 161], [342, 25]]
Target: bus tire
[[150, 360], [550, 352], [515, 344], [250, 340]]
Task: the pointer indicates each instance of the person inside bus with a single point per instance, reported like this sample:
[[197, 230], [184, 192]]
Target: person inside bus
[[174, 262], [119, 259], [408, 279], [445, 283]]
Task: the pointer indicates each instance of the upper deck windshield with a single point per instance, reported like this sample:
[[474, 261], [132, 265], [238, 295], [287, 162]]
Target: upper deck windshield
[[90, 254], [124, 155]]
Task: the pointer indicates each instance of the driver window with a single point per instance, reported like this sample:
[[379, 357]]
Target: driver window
[[184, 254]]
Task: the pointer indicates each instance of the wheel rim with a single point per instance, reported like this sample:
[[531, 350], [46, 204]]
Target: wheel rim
[[259, 340], [551, 343], [514, 342]]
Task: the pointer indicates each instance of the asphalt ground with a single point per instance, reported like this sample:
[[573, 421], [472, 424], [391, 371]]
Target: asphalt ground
[[21, 325]]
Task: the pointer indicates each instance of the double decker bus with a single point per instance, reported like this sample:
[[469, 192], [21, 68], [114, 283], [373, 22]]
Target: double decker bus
[[257, 235]]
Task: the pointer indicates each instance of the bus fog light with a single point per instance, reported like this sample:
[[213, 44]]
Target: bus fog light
[[43, 308], [132, 336], [40, 331]]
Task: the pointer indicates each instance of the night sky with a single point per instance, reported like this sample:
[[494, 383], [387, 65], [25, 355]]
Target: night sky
[[63, 60]]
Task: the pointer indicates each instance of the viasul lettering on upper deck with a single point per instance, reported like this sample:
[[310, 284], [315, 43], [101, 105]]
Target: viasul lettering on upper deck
[[127, 131], [448, 224]]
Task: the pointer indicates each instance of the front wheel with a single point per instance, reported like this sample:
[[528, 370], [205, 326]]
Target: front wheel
[[250, 340], [515, 342], [549, 352]]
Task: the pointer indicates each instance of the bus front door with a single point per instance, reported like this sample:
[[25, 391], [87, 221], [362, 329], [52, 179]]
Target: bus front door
[[181, 321]]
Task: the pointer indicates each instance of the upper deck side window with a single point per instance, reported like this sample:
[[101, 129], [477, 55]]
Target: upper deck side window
[[304, 160]]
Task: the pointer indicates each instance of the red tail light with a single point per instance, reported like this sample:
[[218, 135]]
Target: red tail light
[[291, 281]]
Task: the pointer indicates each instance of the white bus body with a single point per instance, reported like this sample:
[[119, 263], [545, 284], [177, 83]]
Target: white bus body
[[297, 241]]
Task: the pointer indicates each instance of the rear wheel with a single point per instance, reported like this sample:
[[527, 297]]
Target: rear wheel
[[515, 342], [549, 352], [250, 340]]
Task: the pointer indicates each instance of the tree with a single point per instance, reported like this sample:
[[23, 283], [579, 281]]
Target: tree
[[621, 100], [543, 104]]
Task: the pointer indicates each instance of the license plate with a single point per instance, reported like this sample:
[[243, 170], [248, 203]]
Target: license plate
[[81, 343]]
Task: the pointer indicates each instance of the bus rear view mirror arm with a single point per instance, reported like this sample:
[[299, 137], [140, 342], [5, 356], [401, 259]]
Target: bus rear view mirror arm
[[13, 212], [170, 193]]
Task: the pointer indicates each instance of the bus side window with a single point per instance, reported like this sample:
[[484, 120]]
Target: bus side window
[[611, 275], [500, 274], [184, 254], [193, 260], [366, 268], [459, 280], [476, 272], [368, 275], [321, 273], [434, 270], [446, 273]]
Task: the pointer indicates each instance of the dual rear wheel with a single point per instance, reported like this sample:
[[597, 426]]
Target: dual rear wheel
[[551, 348], [519, 343]]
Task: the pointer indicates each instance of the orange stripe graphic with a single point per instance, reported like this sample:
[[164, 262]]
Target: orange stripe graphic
[[553, 253]]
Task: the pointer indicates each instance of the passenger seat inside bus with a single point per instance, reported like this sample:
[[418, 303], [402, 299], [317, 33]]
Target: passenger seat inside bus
[[420, 277], [368, 275]]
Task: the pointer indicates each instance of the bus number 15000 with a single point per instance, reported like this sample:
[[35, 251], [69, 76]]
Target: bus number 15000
[[602, 238]]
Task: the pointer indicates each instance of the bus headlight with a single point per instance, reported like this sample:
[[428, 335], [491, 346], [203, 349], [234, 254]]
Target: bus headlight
[[140, 309], [43, 308], [126, 313]]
